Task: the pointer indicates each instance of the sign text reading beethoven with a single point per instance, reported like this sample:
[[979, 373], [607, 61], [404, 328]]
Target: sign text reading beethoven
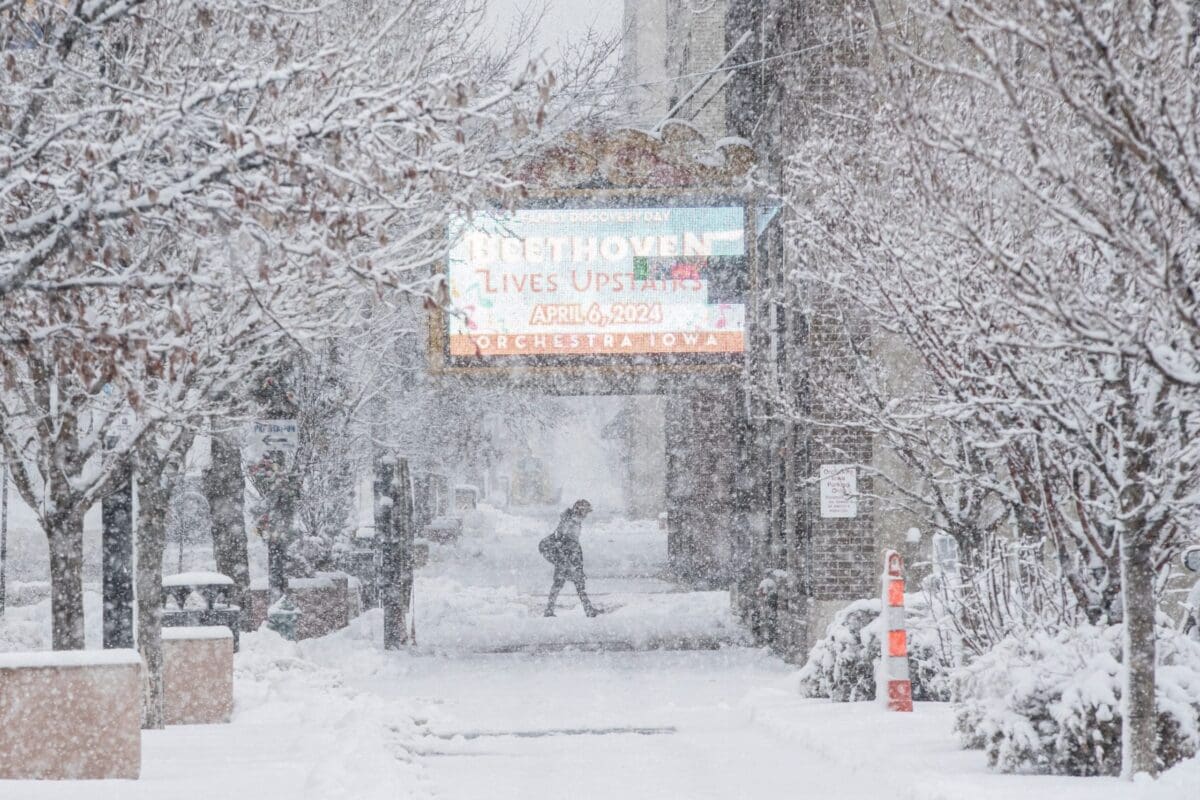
[[598, 281]]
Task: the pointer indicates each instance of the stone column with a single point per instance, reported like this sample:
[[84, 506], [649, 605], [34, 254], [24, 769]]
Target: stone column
[[701, 442]]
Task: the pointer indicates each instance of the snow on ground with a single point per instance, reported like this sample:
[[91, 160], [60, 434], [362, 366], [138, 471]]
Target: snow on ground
[[298, 733], [554, 716], [917, 757], [487, 591], [27, 627], [660, 724], [578, 724], [499, 548], [454, 617], [724, 723]]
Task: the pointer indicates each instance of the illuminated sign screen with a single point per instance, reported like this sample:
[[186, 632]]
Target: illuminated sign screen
[[611, 283]]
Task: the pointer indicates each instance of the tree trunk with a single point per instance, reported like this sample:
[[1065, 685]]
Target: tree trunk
[[153, 497], [224, 487], [65, 537], [1139, 727], [117, 563]]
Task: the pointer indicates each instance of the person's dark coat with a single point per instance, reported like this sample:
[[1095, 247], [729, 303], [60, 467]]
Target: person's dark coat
[[562, 549]]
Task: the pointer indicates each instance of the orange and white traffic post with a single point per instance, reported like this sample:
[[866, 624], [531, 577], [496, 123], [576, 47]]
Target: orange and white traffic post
[[893, 681]]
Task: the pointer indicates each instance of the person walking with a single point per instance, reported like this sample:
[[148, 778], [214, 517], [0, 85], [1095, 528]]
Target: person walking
[[562, 549]]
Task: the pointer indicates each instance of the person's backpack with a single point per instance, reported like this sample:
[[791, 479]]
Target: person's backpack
[[551, 547]]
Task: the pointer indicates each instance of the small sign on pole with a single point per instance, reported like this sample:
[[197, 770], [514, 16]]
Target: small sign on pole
[[892, 684], [945, 560], [274, 434], [839, 490]]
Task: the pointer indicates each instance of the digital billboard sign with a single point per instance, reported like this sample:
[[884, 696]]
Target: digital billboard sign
[[618, 283]]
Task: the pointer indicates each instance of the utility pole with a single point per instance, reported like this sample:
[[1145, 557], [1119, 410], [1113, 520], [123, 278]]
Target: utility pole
[[274, 482], [116, 514], [278, 484], [224, 488], [394, 531], [278, 528]]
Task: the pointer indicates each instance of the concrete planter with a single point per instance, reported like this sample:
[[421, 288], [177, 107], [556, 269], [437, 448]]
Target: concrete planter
[[197, 675], [70, 715], [324, 602]]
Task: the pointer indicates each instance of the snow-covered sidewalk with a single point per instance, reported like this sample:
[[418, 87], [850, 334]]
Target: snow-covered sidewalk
[[340, 718], [723, 723], [579, 724], [498, 702], [487, 592], [916, 757], [298, 733], [453, 617]]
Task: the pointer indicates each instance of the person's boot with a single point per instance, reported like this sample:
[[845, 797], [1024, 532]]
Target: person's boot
[[549, 612], [589, 609]]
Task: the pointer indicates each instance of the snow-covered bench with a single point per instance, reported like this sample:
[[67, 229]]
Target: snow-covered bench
[[70, 715], [197, 675]]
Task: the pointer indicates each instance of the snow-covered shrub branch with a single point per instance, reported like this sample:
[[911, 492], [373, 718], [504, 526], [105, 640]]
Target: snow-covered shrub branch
[[311, 125], [1052, 702], [842, 665]]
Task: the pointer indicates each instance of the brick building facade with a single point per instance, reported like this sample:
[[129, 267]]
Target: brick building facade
[[666, 43], [762, 440]]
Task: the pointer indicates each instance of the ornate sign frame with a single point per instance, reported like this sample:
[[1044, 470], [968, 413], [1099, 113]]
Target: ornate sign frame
[[606, 171], [441, 358]]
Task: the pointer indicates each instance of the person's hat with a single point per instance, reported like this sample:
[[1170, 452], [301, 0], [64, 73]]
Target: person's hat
[[582, 506]]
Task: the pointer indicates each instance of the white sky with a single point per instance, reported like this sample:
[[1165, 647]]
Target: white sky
[[564, 18]]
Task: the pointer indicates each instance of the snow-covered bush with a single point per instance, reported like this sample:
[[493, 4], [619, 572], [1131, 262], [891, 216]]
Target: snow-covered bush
[[841, 666], [1048, 702]]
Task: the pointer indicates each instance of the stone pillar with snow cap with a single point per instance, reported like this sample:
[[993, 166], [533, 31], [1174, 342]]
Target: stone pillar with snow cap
[[892, 684], [70, 715], [197, 675]]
